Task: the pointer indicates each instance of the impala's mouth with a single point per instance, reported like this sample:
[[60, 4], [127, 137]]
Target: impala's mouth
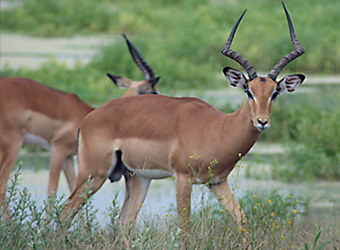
[[262, 127]]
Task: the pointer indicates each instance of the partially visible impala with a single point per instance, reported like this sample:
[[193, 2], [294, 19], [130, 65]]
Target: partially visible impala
[[36, 114], [145, 138]]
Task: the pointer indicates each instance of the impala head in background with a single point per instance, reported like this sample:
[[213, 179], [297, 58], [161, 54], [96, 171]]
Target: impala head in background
[[148, 86], [260, 104]]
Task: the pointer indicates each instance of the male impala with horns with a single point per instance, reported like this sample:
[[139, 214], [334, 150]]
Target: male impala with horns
[[154, 137]]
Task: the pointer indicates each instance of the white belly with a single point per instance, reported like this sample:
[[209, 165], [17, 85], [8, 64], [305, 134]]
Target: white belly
[[150, 173], [37, 141]]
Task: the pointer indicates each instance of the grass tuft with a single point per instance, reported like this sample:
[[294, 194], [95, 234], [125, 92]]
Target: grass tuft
[[274, 222]]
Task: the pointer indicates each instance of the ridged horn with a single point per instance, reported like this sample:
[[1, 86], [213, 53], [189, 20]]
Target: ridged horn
[[234, 55], [139, 60], [292, 55]]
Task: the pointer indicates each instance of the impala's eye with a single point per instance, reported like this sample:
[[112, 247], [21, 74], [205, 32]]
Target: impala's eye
[[250, 95], [274, 95]]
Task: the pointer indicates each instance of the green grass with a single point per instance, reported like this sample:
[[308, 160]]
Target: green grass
[[57, 18], [183, 39], [180, 40], [308, 123], [274, 222]]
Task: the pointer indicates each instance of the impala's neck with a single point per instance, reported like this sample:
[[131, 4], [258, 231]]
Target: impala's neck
[[242, 133]]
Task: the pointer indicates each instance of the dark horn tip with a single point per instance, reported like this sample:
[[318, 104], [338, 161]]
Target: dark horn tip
[[114, 78], [124, 36]]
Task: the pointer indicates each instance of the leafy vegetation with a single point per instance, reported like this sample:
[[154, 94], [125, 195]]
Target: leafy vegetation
[[57, 18], [309, 125], [274, 222], [181, 40]]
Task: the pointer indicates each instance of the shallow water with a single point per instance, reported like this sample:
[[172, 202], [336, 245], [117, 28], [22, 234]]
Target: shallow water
[[31, 52], [161, 196]]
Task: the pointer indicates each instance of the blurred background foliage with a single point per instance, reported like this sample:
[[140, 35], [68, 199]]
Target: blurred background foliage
[[182, 40]]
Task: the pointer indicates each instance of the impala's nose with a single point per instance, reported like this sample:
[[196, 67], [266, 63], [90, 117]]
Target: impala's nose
[[262, 124]]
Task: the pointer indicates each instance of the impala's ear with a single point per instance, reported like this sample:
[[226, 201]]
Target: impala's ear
[[236, 78], [154, 81], [290, 83], [121, 82]]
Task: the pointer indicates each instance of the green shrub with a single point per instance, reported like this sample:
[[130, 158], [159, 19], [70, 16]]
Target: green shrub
[[274, 222], [190, 34], [57, 18], [311, 125]]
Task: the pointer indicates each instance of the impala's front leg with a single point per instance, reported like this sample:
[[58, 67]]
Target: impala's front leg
[[136, 190], [223, 194], [183, 196], [8, 157]]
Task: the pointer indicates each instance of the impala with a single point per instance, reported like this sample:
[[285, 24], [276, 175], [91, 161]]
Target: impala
[[144, 138], [36, 114]]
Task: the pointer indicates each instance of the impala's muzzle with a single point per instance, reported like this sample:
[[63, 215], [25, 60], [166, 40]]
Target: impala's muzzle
[[262, 124]]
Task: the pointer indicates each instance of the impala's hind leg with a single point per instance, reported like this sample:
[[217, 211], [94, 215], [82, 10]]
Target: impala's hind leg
[[59, 155], [95, 162], [136, 190], [70, 172], [76, 198]]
